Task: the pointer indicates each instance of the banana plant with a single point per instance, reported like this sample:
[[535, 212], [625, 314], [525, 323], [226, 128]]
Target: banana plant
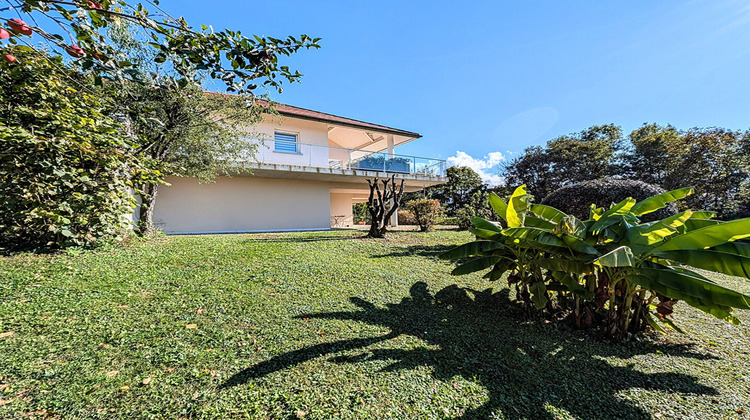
[[611, 270]]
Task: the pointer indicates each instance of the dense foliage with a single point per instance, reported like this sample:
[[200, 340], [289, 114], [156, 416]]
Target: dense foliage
[[237, 60], [610, 271], [65, 173], [462, 197], [576, 199], [148, 70], [713, 160], [590, 154], [425, 212]]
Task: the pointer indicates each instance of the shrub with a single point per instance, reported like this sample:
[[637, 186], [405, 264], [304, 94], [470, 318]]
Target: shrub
[[64, 171], [576, 199], [425, 211], [610, 271], [406, 217]]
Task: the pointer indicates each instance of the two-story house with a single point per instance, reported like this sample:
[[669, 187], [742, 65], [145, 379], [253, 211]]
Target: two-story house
[[309, 170]]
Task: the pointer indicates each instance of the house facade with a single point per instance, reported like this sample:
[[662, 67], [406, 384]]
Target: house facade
[[310, 168]]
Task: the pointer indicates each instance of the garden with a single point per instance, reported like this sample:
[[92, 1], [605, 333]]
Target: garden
[[331, 325]]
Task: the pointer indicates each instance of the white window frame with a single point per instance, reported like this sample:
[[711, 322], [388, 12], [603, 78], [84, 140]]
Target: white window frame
[[286, 143]]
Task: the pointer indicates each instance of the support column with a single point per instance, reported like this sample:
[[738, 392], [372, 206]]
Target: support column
[[394, 218], [390, 144]]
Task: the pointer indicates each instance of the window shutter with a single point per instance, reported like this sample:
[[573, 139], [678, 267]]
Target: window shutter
[[286, 143]]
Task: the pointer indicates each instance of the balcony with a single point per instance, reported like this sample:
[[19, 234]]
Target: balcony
[[276, 152]]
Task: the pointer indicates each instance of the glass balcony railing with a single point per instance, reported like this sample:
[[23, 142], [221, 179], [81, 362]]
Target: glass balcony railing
[[302, 154]]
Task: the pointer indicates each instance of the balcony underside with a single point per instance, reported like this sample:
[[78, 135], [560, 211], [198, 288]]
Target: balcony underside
[[413, 182]]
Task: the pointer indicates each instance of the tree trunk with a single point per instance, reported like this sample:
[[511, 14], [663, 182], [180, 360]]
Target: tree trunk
[[377, 205], [146, 210]]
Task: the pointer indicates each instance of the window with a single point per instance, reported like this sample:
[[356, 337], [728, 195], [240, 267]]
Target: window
[[285, 143]]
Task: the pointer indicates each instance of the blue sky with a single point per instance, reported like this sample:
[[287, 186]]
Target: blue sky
[[483, 81]]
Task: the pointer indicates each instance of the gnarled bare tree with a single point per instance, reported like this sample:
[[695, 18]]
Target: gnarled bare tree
[[382, 203]]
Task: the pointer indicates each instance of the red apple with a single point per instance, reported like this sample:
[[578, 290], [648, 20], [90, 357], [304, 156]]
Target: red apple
[[93, 5], [9, 58], [20, 26], [74, 51], [4, 34]]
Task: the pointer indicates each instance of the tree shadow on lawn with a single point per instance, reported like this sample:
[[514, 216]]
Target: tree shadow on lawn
[[523, 367], [418, 250]]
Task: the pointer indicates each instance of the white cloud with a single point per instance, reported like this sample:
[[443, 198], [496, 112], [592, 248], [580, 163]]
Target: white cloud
[[486, 168]]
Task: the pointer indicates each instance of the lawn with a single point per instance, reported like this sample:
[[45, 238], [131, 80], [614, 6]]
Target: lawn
[[329, 325]]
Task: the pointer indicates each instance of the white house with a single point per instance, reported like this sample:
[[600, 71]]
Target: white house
[[310, 168]]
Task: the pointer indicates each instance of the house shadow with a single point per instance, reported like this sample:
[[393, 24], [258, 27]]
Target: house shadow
[[480, 336], [286, 238]]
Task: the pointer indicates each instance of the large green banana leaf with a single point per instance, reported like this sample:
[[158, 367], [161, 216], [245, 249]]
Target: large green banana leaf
[[565, 265], [534, 236], [484, 233], [710, 259], [480, 223], [684, 285], [517, 206], [609, 217], [657, 202], [712, 308], [548, 213], [533, 221], [499, 206], [471, 249], [707, 237], [579, 245], [476, 264], [618, 257], [737, 248]]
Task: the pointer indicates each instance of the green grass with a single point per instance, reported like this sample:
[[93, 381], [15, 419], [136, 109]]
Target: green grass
[[329, 325]]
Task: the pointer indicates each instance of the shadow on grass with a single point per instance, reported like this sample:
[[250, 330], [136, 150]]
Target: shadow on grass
[[480, 336], [418, 250], [285, 238]]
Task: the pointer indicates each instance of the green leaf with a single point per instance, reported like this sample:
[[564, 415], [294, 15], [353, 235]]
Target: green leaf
[[538, 295], [709, 259], [690, 287], [483, 233], [474, 265], [618, 257], [471, 249], [657, 202], [480, 223], [517, 206], [572, 284], [66, 233], [704, 214], [533, 221], [565, 265], [579, 245], [499, 269], [737, 248], [499, 206], [534, 236], [694, 223], [548, 213], [609, 217], [655, 233], [708, 237], [719, 311]]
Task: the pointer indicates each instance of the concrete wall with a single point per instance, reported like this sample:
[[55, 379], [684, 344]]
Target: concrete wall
[[341, 205], [242, 204]]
